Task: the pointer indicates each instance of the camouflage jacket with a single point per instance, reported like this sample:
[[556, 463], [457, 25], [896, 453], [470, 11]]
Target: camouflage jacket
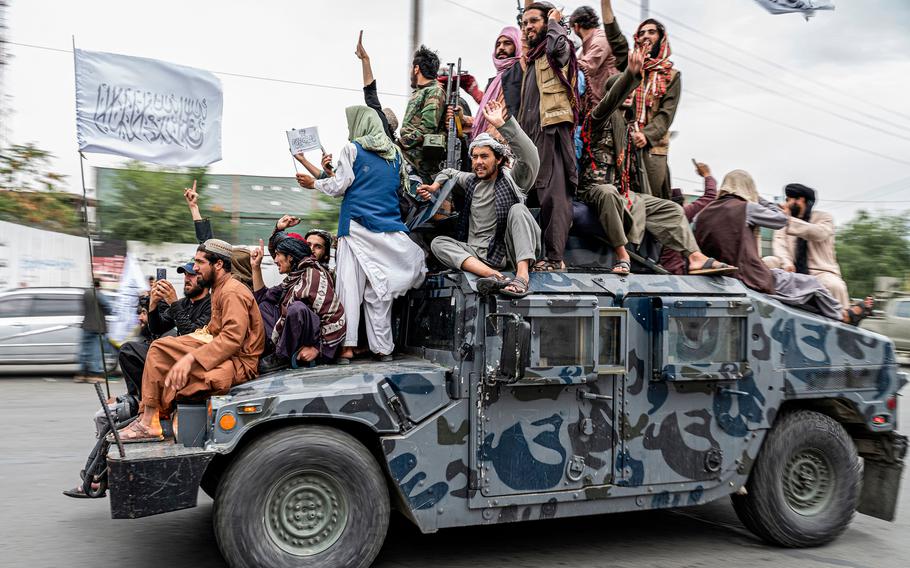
[[424, 115]]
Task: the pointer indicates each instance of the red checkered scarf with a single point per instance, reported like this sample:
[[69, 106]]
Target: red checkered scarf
[[655, 80]]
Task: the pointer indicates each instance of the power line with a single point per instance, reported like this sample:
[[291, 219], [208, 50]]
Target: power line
[[792, 99], [231, 74], [798, 129], [478, 12], [825, 86]]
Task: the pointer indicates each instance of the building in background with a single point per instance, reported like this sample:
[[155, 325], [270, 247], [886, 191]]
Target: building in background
[[249, 204]]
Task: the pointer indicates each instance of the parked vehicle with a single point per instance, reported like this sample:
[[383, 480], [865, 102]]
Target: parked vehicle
[[594, 394], [892, 319], [40, 330]]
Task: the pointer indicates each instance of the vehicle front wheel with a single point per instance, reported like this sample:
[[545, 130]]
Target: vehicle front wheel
[[302, 496], [805, 484]]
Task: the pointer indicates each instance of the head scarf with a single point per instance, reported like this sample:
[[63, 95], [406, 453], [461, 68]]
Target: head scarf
[[365, 128], [486, 139], [570, 80], [242, 267], [294, 246], [655, 77], [325, 236], [494, 89], [740, 184], [797, 190]]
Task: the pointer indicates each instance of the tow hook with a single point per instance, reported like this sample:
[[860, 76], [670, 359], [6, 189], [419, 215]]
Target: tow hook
[[396, 405]]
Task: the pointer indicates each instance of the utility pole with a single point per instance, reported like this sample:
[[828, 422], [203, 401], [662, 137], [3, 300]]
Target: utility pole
[[645, 9], [4, 59], [415, 34]]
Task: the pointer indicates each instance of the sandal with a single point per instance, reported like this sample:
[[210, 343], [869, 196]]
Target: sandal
[[520, 284], [547, 265], [853, 317], [713, 267], [490, 284], [137, 433], [621, 267]]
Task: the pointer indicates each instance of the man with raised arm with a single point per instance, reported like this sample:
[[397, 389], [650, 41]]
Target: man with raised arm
[[495, 231], [370, 92]]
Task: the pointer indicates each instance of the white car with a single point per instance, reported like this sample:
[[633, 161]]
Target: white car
[[40, 330]]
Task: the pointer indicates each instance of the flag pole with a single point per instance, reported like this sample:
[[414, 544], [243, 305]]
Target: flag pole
[[88, 238]]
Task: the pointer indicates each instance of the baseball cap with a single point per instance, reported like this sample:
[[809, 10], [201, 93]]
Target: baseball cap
[[187, 269]]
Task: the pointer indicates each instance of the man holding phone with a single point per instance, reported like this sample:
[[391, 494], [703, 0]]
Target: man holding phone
[[186, 314]]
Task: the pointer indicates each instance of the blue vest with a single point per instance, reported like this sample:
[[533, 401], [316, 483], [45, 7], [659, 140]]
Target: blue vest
[[372, 200]]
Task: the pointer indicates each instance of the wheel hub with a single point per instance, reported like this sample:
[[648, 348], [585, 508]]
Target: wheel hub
[[808, 482], [306, 512]]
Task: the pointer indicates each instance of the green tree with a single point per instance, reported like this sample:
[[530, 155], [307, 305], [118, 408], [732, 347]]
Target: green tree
[[30, 194], [147, 205], [870, 246]]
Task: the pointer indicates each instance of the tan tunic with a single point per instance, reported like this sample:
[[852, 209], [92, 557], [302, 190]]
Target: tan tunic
[[819, 232], [231, 358]]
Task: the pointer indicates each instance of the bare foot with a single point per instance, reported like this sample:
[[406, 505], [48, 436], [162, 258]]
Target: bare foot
[[307, 354]]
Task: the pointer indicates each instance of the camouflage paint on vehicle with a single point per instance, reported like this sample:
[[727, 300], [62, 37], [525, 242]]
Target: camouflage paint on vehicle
[[643, 392]]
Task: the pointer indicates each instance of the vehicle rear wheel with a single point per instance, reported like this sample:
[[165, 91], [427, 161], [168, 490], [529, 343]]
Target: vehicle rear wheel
[[306, 495], [805, 484]]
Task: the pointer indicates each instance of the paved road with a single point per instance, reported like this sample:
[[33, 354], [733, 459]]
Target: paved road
[[46, 433]]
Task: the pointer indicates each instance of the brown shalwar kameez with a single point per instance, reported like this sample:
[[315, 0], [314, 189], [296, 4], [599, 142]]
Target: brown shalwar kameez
[[231, 358]]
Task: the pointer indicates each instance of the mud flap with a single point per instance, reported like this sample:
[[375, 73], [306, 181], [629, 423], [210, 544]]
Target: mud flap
[[155, 478], [883, 466]]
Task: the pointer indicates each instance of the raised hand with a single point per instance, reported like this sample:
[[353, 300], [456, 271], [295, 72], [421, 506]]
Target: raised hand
[[192, 198], [360, 52], [495, 113], [286, 221], [307, 181], [636, 60], [327, 164], [257, 253], [702, 169]]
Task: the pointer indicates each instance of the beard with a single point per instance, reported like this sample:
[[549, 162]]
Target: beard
[[206, 280], [538, 39], [195, 290], [413, 80]]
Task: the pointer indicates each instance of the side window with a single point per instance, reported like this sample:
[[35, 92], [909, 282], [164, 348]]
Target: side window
[[903, 310], [701, 339], [15, 307], [694, 340], [432, 323], [565, 341], [57, 306]]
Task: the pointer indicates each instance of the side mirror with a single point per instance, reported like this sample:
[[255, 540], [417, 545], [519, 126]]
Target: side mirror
[[516, 350]]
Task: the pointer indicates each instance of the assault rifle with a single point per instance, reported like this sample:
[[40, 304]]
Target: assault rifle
[[453, 142]]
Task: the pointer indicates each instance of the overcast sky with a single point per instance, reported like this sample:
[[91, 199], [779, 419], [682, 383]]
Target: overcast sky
[[820, 102]]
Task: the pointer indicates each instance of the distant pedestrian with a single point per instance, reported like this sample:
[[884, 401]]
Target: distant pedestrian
[[94, 327]]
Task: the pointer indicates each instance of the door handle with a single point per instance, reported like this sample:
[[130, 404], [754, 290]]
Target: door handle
[[592, 396]]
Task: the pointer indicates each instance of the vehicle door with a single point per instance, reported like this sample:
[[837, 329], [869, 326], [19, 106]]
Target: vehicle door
[[14, 327], [551, 432], [691, 398], [900, 326]]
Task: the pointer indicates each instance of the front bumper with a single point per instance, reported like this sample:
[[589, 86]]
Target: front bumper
[[154, 478]]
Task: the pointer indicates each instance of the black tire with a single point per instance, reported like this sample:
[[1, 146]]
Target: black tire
[[805, 484], [286, 469]]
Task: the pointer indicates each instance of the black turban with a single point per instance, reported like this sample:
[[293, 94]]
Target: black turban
[[795, 191], [290, 244]]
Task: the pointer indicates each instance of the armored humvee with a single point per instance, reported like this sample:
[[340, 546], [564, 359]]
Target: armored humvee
[[594, 394]]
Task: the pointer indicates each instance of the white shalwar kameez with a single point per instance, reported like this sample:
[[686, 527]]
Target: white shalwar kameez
[[371, 269]]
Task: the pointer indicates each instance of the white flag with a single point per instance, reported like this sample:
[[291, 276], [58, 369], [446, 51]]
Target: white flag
[[806, 7], [147, 109], [132, 283], [304, 139]]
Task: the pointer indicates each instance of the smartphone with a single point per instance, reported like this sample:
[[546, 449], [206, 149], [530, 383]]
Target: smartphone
[[161, 274]]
